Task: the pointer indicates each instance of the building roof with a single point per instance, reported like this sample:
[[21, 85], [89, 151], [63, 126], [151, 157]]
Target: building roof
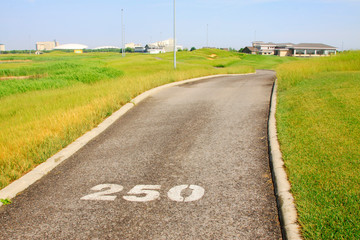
[[253, 49], [312, 46], [284, 44], [71, 46], [263, 43]]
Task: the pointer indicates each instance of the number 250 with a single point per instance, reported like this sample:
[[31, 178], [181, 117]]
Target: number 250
[[144, 193]]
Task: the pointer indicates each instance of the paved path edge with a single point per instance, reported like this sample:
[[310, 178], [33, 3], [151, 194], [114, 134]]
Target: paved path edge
[[44, 168], [285, 200]]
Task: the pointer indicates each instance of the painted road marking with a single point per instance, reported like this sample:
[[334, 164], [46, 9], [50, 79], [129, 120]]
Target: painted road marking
[[150, 195], [103, 196], [175, 193], [146, 193]]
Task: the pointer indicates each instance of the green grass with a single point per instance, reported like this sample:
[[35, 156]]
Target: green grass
[[266, 62], [70, 94], [51, 73], [318, 124]]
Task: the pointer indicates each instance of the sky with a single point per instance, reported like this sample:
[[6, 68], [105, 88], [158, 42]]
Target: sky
[[226, 23]]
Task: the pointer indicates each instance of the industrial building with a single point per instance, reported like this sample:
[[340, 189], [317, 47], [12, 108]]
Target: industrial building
[[166, 45], [46, 46]]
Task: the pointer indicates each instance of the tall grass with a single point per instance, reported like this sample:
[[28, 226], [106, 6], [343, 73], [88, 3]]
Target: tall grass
[[53, 74], [74, 93], [348, 61], [318, 124]]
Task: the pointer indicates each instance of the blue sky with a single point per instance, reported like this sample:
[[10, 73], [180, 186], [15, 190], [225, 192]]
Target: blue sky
[[231, 23]]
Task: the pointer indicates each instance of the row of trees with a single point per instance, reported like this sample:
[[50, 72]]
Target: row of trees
[[17, 52]]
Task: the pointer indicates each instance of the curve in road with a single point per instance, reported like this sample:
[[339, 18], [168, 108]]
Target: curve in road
[[189, 162]]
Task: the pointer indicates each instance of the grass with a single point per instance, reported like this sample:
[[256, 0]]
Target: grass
[[317, 118], [54, 73], [71, 94], [5, 201], [318, 124]]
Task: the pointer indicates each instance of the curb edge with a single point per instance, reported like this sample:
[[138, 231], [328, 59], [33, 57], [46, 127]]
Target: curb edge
[[284, 198]]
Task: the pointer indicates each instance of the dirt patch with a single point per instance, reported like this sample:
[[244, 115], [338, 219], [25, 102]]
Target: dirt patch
[[13, 61], [212, 56], [16, 77]]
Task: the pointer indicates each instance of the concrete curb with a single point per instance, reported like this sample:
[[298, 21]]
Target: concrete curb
[[28, 179], [285, 200]]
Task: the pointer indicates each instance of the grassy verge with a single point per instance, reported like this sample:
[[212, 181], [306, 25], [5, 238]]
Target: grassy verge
[[70, 94], [318, 124]]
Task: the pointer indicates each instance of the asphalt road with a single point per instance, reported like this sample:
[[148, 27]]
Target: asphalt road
[[190, 162]]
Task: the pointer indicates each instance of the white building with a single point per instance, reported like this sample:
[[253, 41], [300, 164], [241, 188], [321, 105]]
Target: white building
[[167, 45], [265, 48], [132, 45], [139, 49], [106, 47], [311, 50], [71, 46], [156, 50], [41, 46], [290, 49], [2, 47]]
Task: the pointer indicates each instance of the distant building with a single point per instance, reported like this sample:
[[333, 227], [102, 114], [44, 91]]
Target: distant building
[[140, 49], [290, 49], [2, 47], [132, 45], [311, 49], [46, 46], [156, 50], [250, 50], [265, 48], [167, 45], [106, 47], [283, 49], [71, 46]]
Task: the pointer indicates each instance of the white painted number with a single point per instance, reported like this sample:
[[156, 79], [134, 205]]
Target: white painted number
[[146, 191], [176, 193], [104, 195]]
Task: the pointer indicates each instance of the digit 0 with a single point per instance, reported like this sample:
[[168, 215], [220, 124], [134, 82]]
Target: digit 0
[[175, 193]]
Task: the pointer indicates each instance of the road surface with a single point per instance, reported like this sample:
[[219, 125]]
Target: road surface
[[190, 162]]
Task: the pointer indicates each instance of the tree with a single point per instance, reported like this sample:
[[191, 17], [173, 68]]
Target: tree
[[130, 50], [193, 49]]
